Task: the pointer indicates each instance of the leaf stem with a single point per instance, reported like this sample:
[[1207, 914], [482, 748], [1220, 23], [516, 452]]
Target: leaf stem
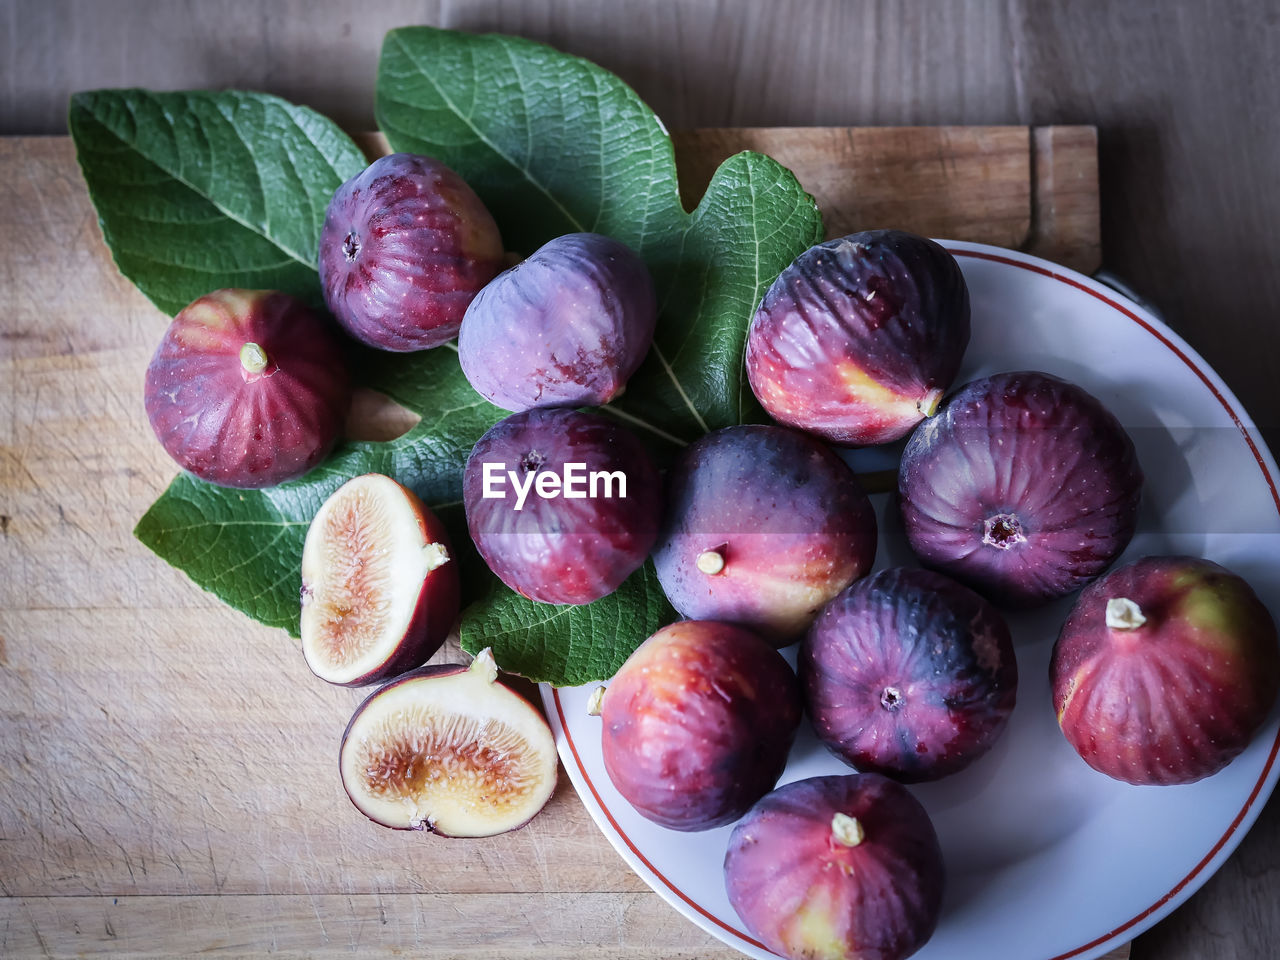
[[640, 422]]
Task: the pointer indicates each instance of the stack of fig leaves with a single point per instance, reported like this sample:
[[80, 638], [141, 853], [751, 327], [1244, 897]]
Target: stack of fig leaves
[[202, 190]]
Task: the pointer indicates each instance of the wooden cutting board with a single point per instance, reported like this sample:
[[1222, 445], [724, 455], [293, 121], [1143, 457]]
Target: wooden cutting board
[[168, 779]]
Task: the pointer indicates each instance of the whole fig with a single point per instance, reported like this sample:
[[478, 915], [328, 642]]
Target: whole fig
[[563, 505], [406, 244], [837, 868], [764, 525], [1165, 670], [909, 674], [697, 724], [1024, 487], [248, 388], [565, 328], [859, 338]]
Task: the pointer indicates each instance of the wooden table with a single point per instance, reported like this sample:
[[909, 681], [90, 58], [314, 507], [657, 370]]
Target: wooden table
[[167, 767]]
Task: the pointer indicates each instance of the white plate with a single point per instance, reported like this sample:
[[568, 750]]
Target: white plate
[[1046, 858]]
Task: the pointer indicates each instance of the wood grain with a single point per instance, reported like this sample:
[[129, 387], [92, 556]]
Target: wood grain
[[167, 776], [1031, 189]]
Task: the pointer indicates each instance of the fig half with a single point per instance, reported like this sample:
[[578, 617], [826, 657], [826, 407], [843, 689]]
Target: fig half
[[379, 585], [449, 749]]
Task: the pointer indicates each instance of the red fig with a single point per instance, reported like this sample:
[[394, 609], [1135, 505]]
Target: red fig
[[1164, 670], [248, 388]]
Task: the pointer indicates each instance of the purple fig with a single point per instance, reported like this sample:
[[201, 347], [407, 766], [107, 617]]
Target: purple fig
[[563, 505], [859, 338], [565, 328], [909, 674], [406, 245], [698, 723], [1165, 670], [248, 388], [1023, 487], [838, 868], [764, 525]]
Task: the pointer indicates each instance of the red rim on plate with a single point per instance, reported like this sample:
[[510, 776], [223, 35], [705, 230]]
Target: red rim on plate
[[1231, 832]]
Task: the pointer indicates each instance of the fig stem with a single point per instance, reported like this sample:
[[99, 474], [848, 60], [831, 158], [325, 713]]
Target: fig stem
[[711, 562], [484, 666], [1124, 614], [253, 358], [436, 555], [928, 404], [595, 703], [846, 830]]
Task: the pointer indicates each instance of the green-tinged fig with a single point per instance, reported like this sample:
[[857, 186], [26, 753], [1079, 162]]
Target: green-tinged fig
[[858, 339], [1164, 670], [837, 868]]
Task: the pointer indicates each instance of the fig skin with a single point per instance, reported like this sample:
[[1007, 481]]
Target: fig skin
[[1023, 487], [1177, 697], [559, 550], [697, 724], [482, 675], [435, 610], [858, 339], [779, 518], [807, 894], [405, 247], [248, 388], [567, 327], [909, 674]]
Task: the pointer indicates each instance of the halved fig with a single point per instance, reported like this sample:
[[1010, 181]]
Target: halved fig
[[379, 585], [450, 750]]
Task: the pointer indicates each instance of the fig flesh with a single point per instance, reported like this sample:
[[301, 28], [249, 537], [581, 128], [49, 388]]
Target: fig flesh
[[1164, 670], [565, 328], [563, 505], [860, 336], [451, 750], [764, 526], [406, 245], [379, 583], [248, 388], [1023, 487], [909, 674], [837, 868], [697, 724]]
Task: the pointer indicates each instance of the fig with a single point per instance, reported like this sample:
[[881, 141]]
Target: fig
[[565, 328], [858, 339], [563, 505], [908, 674], [1164, 670], [248, 388], [764, 526], [451, 750], [837, 868], [379, 583], [697, 724], [1024, 487], [406, 245]]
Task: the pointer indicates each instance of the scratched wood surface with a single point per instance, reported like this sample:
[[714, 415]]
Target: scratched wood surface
[[167, 767]]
